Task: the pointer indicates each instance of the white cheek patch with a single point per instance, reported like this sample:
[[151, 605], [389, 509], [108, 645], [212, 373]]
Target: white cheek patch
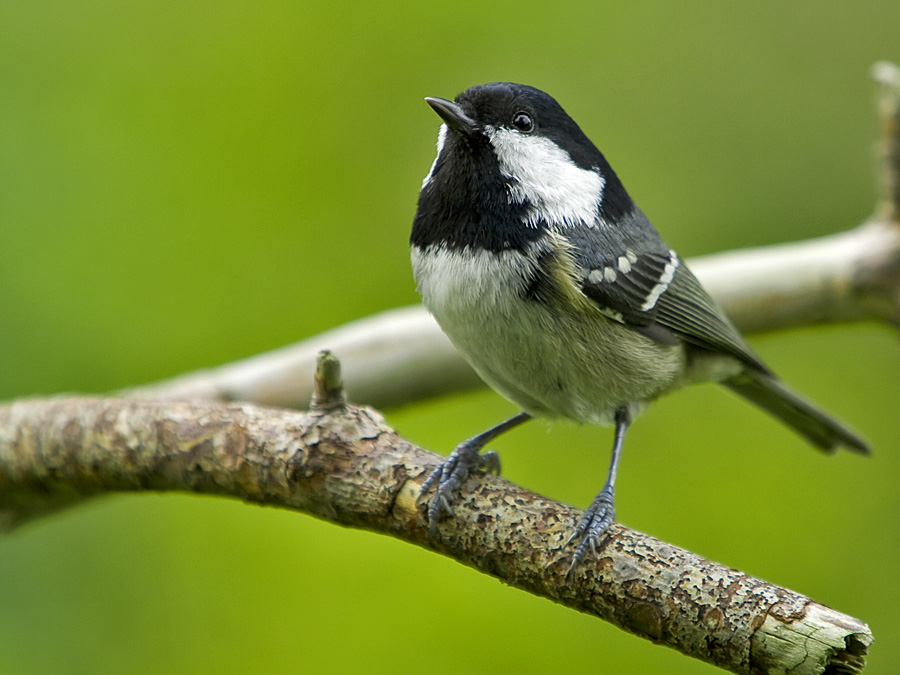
[[442, 136], [544, 175]]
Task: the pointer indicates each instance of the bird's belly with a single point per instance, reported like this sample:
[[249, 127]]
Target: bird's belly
[[577, 364], [567, 366]]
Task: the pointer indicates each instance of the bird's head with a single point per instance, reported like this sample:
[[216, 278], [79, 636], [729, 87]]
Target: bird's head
[[506, 142]]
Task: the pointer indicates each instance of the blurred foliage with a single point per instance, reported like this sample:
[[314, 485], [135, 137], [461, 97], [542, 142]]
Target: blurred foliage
[[183, 184]]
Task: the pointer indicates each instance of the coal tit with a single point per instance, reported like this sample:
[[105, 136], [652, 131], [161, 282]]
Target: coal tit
[[559, 292]]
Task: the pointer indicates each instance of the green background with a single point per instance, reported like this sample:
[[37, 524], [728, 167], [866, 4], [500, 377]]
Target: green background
[[184, 184]]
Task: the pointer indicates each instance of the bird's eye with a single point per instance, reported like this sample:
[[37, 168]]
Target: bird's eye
[[523, 122]]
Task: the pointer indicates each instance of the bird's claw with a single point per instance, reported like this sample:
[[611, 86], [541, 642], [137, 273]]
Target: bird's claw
[[450, 475], [591, 527]]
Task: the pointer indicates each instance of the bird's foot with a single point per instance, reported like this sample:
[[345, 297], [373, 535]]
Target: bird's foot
[[592, 525], [451, 474]]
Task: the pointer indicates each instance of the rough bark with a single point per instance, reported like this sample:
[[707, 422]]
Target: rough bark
[[343, 464]]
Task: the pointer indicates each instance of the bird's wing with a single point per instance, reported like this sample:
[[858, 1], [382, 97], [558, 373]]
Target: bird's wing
[[686, 308], [653, 292], [627, 288]]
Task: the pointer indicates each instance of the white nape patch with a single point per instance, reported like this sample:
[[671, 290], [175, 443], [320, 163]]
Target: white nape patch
[[442, 136], [543, 174], [663, 283]]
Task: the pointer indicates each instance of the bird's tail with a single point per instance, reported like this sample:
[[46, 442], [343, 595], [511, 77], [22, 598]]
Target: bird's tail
[[809, 421]]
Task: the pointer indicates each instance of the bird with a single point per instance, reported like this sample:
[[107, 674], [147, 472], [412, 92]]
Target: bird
[[563, 297]]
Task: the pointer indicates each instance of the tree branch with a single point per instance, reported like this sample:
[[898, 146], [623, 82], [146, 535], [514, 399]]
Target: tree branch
[[401, 355], [344, 465]]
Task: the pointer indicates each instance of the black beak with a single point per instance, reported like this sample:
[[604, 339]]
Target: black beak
[[453, 115]]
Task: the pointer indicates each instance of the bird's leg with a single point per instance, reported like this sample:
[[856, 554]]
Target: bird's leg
[[455, 469], [597, 518]]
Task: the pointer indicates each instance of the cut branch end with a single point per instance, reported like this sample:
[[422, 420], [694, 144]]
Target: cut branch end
[[328, 387]]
